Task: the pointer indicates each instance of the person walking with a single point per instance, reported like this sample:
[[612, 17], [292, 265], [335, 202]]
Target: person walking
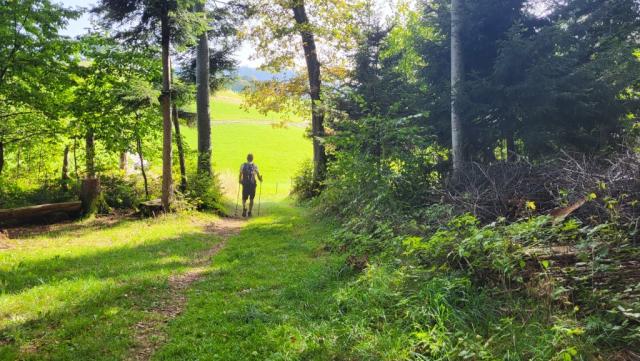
[[248, 174]]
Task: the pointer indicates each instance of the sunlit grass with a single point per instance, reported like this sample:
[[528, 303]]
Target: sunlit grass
[[75, 293], [278, 152], [226, 105]]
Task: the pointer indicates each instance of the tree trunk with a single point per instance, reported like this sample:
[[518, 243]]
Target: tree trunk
[[457, 70], [43, 213], [183, 168], [167, 180], [202, 103], [144, 172], [1, 157], [75, 158], [123, 161], [65, 169], [89, 194], [317, 112], [90, 154]]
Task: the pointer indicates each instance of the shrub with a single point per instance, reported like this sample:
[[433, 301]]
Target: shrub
[[119, 192], [303, 186], [206, 193], [12, 195]]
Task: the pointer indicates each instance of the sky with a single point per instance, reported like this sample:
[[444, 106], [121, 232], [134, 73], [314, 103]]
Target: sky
[[80, 26], [244, 56]]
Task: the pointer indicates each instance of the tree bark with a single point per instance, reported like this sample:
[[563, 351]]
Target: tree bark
[[89, 194], [457, 69], [1, 156], [90, 149], [43, 213], [65, 169], [183, 168], [167, 180], [202, 103], [75, 158], [123, 161], [313, 70], [142, 170]]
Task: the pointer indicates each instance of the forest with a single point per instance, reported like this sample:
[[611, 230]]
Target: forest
[[438, 180]]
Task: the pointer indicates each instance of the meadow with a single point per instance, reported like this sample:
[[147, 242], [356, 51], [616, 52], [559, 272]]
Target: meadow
[[227, 105], [279, 148]]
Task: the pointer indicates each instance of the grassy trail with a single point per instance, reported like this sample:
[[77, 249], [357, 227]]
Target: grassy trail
[[166, 289], [268, 287]]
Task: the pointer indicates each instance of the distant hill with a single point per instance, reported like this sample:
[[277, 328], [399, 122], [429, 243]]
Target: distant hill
[[245, 75]]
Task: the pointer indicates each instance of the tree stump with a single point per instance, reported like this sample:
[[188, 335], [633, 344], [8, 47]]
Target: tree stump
[[151, 208], [89, 193]]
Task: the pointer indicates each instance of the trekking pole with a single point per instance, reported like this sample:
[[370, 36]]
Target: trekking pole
[[237, 201], [259, 199]]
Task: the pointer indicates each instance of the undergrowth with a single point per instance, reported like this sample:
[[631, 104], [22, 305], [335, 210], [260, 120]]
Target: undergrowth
[[441, 284]]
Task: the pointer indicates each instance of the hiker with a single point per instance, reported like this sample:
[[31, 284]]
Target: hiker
[[248, 173]]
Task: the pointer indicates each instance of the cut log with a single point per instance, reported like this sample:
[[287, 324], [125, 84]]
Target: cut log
[[151, 208], [41, 214]]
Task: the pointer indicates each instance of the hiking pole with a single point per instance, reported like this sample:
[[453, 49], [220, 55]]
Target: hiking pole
[[237, 201], [259, 199]]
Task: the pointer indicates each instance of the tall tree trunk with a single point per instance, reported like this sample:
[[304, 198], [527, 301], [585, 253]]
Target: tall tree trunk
[[202, 103], [1, 156], [90, 154], [167, 180], [313, 70], [75, 158], [183, 168], [65, 169], [457, 70], [123, 161], [144, 172]]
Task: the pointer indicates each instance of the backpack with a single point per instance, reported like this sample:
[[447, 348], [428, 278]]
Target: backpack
[[247, 174]]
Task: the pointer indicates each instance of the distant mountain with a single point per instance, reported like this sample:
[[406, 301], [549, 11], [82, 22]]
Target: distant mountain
[[255, 74]]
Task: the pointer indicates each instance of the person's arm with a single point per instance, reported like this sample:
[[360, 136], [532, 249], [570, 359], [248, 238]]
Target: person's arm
[[240, 176], [258, 174]]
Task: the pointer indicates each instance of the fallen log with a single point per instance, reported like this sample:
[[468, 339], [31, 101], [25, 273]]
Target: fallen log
[[41, 214]]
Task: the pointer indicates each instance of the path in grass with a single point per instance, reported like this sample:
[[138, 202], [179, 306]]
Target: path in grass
[[82, 291], [149, 333], [267, 289], [180, 287]]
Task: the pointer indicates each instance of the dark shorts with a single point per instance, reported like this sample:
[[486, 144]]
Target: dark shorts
[[248, 191]]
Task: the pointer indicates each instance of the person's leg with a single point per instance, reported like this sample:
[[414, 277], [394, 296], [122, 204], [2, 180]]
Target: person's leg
[[245, 196], [252, 196]]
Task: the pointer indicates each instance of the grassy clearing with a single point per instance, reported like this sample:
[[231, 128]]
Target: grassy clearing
[[279, 152], [227, 105], [75, 293]]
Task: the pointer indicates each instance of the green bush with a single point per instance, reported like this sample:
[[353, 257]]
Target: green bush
[[12, 195], [303, 186], [119, 192], [205, 193]]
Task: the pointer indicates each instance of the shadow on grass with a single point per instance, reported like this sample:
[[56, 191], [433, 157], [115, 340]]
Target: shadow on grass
[[83, 307], [78, 228]]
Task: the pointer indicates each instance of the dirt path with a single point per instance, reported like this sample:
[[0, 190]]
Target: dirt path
[[150, 334]]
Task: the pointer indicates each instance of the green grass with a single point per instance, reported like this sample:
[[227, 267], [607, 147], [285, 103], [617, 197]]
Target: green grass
[[268, 288], [227, 105], [278, 152], [76, 293]]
